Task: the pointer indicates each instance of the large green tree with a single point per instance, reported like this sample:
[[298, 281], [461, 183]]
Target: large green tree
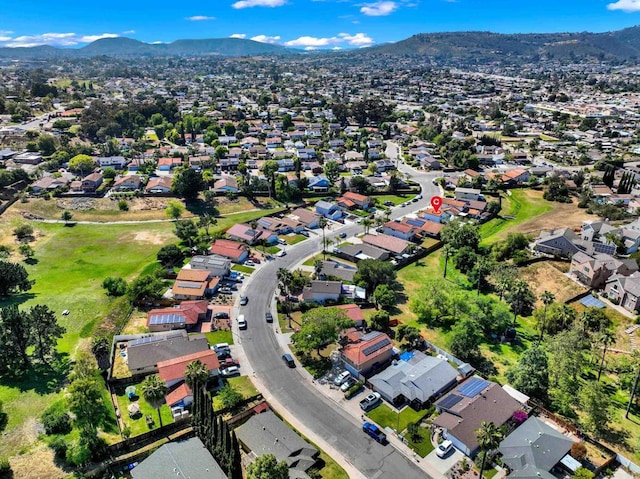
[[82, 164], [595, 403], [459, 233], [465, 339], [267, 466], [187, 183], [373, 272], [320, 327], [332, 171], [44, 331], [531, 373], [13, 279]]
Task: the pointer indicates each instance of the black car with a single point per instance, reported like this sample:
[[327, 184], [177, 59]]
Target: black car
[[288, 359], [269, 317], [221, 315]]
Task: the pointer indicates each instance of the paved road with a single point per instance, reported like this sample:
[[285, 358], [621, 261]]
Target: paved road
[[291, 389]]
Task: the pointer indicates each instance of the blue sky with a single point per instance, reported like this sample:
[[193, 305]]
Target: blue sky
[[307, 24]]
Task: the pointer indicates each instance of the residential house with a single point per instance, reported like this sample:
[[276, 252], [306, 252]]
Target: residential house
[[217, 266], [126, 183], [28, 158], [595, 269], [624, 290], [559, 242], [400, 230], [265, 433], [187, 458], [328, 210], [352, 200], [168, 164], [337, 270], [193, 284], [322, 290], [603, 232], [425, 227], [357, 252], [464, 194], [226, 184], [308, 218], [463, 410], [368, 354], [228, 164], [286, 164], [354, 313], [144, 354], [443, 215], [185, 315], [418, 380], [534, 449], [172, 371], [235, 251], [48, 183], [117, 162], [393, 245], [244, 233], [319, 184], [159, 185], [92, 182], [180, 396], [515, 177], [226, 140]]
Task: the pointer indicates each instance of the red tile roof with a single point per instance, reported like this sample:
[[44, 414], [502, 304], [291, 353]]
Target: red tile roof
[[178, 394], [352, 311], [175, 368], [355, 352], [386, 242]]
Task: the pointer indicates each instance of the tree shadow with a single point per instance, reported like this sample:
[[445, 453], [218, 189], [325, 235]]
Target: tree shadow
[[16, 299], [41, 378], [31, 261]]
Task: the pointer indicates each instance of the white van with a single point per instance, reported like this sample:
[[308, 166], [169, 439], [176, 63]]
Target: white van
[[242, 323]]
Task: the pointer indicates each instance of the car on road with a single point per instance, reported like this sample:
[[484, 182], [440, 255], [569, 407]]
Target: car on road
[[269, 317], [403, 205], [288, 359], [281, 253], [221, 315], [370, 401], [230, 371], [375, 432], [242, 323], [342, 377], [389, 203], [348, 384], [444, 448], [343, 235], [244, 300], [415, 200]]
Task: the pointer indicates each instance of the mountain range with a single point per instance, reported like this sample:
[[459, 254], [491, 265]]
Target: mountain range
[[466, 47]]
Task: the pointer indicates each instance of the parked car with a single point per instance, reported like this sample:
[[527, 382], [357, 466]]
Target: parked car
[[389, 203], [375, 432], [254, 259], [281, 241], [304, 233], [230, 371], [228, 362], [370, 401], [343, 235], [348, 384], [242, 323], [342, 377], [444, 448], [249, 263], [244, 300], [281, 253], [269, 317], [221, 315], [288, 359]]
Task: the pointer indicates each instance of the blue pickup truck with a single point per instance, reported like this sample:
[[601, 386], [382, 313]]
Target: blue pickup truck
[[375, 432]]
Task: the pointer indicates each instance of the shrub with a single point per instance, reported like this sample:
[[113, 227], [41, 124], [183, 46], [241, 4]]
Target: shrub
[[115, 286], [578, 451], [59, 447], [56, 420], [353, 390], [23, 231], [123, 205], [5, 467]]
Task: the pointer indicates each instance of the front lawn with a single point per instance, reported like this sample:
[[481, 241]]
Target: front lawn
[[242, 268], [242, 385], [294, 239], [385, 416], [395, 199], [271, 249], [423, 446], [221, 336]]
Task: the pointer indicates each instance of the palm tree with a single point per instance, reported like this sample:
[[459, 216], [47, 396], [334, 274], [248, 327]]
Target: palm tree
[[489, 436], [196, 374], [153, 391], [606, 337], [322, 223], [285, 279], [366, 224], [317, 267], [547, 298]]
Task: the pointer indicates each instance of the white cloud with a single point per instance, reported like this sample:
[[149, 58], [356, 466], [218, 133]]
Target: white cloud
[[266, 39], [200, 18], [378, 9], [258, 3], [53, 39], [238, 35], [628, 6], [358, 40], [129, 32]]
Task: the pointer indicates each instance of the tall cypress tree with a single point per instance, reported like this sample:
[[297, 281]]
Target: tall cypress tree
[[235, 471]]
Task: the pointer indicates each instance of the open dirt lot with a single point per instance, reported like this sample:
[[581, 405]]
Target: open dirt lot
[[547, 276], [562, 215]]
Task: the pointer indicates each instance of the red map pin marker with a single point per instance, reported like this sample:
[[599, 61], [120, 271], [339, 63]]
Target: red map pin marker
[[436, 202]]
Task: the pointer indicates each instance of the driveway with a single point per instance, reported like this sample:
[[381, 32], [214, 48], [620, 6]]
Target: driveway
[[443, 465]]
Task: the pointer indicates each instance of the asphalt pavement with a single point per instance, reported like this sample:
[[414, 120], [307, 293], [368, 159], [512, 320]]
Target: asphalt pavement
[[292, 391]]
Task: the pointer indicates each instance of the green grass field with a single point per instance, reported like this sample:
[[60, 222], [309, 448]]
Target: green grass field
[[384, 416], [518, 206], [138, 424], [222, 336]]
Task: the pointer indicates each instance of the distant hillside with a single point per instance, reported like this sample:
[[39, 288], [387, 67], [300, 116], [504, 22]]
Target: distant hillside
[[127, 47], [480, 47]]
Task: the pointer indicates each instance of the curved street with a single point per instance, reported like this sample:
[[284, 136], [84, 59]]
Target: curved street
[[292, 389]]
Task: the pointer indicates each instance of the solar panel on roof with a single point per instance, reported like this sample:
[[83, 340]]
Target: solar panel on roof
[[371, 335], [375, 347], [473, 387], [168, 318], [450, 401], [604, 248], [190, 285], [148, 339], [415, 222]]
